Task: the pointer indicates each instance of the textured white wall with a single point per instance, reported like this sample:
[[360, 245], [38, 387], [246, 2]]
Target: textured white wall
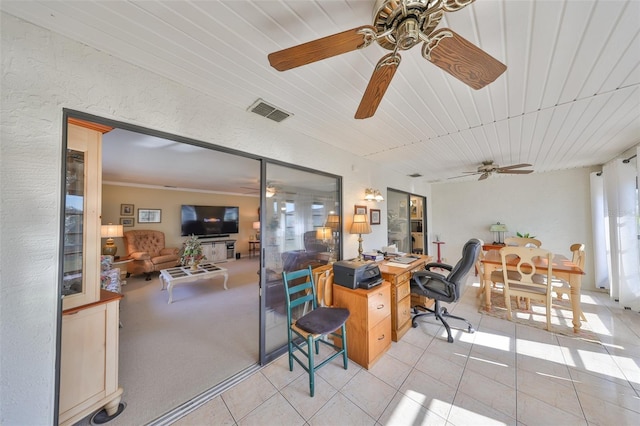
[[555, 207], [42, 73]]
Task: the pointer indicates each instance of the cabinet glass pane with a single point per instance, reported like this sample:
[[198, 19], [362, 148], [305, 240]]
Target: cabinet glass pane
[[73, 223]]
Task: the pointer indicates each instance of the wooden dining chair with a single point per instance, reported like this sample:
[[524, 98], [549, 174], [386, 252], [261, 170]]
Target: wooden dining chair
[[522, 242], [560, 286], [534, 283], [497, 279], [305, 332]]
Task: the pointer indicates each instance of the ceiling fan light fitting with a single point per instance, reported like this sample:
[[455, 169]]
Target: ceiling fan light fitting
[[408, 34]]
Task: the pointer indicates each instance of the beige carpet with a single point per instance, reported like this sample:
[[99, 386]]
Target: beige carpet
[[171, 353], [561, 316]]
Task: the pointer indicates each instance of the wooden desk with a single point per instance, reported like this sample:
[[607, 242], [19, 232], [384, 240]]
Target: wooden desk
[[561, 268], [369, 323], [401, 302]]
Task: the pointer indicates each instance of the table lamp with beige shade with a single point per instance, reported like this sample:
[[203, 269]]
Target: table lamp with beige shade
[[256, 226], [360, 226], [325, 234], [110, 231]]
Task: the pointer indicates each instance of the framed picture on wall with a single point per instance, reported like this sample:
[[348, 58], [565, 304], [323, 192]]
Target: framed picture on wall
[[126, 210], [149, 215], [360, 210], [374, 218], [126, 221]]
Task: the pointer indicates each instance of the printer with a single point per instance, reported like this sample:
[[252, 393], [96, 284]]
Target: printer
[[356, 274]]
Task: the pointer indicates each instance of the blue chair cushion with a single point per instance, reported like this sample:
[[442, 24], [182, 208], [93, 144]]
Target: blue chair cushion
[[323, 320]]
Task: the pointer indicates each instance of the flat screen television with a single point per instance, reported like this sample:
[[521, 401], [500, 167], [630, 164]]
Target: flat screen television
[[209, 221]]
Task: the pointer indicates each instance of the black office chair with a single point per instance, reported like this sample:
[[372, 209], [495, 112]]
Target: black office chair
[[443, 288]]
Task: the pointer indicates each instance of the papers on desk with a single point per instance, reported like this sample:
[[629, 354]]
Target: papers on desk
[[398, 265]]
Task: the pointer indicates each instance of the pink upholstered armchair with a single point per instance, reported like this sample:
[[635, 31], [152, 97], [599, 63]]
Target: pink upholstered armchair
[[148, 251]]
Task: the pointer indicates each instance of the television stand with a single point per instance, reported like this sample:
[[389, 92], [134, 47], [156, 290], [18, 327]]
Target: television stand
[[222, 250]]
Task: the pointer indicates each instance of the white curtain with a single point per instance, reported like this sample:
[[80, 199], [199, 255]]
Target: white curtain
[[621, 204], [600, 240]]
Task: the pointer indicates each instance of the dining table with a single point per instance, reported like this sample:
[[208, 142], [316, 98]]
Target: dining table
[[561, 267]]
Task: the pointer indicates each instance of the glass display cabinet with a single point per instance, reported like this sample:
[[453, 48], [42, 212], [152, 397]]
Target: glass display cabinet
[[90, 316]]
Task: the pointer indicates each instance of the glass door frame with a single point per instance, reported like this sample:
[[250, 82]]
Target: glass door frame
[[266, 357], [423, 215]]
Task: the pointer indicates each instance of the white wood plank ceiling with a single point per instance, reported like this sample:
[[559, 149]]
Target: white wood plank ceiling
[[569, 98]]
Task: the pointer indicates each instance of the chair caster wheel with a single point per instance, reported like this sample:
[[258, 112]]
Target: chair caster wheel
[[450, 339], [414, 324], [471, 330]]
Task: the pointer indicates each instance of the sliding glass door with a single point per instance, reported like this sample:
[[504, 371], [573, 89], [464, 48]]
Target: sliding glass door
[[407, 221], [296, 214]]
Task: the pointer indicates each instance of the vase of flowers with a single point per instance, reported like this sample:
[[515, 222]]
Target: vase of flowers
[[191, 253]]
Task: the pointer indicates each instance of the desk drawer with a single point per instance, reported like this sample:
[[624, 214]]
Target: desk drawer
[[379, 306], [402, 291], [405, 276], [379, 338], [403, 312]]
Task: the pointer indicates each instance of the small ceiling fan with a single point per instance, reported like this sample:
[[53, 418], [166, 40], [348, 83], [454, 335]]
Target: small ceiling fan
[[400, 25], [488, 168]]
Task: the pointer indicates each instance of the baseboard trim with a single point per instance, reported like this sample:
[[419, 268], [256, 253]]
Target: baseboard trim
[[206, 396]]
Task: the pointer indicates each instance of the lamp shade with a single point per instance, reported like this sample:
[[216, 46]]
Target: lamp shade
[[360, 224], [111, 231], [256, 225], [323, 233], [498, 227], [333, 221], [369, 194]]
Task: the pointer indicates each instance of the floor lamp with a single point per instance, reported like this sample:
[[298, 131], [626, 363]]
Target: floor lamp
[[360, 226]]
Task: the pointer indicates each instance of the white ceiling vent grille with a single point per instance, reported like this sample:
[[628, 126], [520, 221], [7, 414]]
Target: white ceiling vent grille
[[269, 111]]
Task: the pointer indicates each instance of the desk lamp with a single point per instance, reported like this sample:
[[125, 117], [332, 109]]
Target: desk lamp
[[360, 226], [111, 231], [333, 222], [256, 226], [325, 234], [498, 230]]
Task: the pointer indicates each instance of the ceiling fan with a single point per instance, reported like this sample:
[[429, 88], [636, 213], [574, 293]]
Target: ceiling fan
[[488, 168], [400, 25]]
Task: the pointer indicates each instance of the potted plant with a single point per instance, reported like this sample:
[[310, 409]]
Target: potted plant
[[525, 235], [191, 253]]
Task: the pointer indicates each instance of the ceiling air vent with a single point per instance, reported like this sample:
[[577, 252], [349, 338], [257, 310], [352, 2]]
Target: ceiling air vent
[[415, 175], [264, 109]]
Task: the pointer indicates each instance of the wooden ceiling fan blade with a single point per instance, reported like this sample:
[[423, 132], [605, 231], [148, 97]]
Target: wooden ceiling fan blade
[[378, 84], [515, 172], [514, 166], [463, 60], [483, 176], [467, 175], [322, 48]]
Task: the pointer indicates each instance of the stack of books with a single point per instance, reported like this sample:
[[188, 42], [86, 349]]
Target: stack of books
[[372, 255]]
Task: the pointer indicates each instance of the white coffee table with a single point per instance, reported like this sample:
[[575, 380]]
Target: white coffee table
[[180, 274]]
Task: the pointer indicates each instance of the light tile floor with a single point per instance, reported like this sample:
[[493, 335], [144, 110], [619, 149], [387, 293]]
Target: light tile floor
[[504, 373]]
